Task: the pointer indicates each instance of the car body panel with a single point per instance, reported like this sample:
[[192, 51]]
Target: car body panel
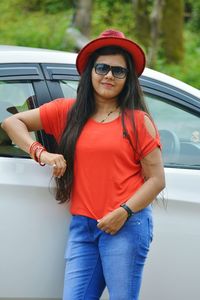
[[32, 250]]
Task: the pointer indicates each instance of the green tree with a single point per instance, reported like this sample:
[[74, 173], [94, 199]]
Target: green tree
[[142, 9], [48, 6], [155, 21], [117, 14], [172, 30], [82, 17], [195, 19]]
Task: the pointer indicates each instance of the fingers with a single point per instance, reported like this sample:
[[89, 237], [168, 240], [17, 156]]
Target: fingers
[[59, 167], [107, 229], [57, 161], [112, 222], [110, 231]]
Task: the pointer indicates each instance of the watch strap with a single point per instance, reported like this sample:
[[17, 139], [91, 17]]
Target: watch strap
[[128, 210]]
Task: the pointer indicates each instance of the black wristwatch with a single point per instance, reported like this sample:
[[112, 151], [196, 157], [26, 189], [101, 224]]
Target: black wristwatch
[[128, 210]]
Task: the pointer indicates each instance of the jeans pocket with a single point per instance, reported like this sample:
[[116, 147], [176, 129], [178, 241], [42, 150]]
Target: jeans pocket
[[146, 234]]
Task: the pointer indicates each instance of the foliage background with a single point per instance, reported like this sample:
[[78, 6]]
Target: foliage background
[[43, 24]]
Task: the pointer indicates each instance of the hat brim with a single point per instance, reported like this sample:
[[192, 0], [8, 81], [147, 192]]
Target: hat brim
[[134, 49]]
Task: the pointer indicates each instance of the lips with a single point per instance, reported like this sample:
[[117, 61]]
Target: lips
[[107, 84]]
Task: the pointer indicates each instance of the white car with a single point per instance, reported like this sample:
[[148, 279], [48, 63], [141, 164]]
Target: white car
[[33, 227]]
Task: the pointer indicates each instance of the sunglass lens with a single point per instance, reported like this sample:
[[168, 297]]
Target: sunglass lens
[[119, 72], [102, 69]]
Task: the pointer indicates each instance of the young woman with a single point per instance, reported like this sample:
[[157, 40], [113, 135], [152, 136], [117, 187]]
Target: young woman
[[108, 165]]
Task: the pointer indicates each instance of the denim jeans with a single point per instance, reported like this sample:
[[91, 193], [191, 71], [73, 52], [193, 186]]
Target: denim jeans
[[95, 259]]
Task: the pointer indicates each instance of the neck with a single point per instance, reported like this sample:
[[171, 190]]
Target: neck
[[105, 106]]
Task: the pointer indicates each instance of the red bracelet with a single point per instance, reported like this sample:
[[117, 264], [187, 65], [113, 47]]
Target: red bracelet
[[39, 156], [34, 148]]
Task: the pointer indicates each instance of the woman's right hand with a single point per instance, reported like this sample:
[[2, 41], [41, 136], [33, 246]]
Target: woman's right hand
[[57, 161]]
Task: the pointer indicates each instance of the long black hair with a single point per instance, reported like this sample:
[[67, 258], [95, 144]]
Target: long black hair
[[131, 97]]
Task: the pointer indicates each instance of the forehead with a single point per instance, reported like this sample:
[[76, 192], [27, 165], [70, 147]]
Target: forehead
[[112, 59]]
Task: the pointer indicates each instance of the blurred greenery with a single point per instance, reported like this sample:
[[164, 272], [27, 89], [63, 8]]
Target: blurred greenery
[[43, 24], [22, 25], [188, 69], [109, 14], [195, 21]]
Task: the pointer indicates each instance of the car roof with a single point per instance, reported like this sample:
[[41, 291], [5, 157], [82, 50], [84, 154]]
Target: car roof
[[18, 54], [161, 77]]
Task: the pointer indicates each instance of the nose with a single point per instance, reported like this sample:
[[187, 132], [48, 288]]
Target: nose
[[109, 74]]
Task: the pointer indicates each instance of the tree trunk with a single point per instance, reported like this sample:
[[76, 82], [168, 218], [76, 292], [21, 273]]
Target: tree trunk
[[172, 30], [142, 22], [155, 19], [82, 17]]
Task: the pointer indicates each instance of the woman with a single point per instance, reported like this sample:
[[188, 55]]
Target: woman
[[108, 164]]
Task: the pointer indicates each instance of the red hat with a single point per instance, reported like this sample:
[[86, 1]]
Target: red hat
[[112, 37]]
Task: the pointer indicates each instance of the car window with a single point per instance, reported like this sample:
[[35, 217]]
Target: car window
[[69, 88], [180, 133], [179, 129], [14, 97]]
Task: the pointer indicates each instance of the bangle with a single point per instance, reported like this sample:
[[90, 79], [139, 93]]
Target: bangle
[[35, 152], [33, 148], [39, 156], [128, 210]]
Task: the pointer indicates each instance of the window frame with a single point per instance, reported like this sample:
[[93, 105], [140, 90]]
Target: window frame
[[55, 72], [33, 73], [175, 97], [171, 93]]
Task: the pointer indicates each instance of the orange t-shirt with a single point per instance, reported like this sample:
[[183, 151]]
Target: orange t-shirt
[[107, 172]]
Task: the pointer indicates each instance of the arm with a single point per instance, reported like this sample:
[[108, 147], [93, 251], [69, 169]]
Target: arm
[[153, 172], [18, 127]]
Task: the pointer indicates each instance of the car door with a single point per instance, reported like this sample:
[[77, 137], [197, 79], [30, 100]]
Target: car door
[[32, 225], [173, 268]]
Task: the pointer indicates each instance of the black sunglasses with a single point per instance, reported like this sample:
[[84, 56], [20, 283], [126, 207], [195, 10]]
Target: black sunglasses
[[103, 69]]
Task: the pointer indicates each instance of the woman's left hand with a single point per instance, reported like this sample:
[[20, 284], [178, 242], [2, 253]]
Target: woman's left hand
[[113, 221]]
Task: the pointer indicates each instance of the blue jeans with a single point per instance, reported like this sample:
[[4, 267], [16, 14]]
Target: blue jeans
[[95, 259]]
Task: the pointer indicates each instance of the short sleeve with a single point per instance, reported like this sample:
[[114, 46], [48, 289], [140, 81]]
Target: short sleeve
[[54, 115], [146, 142]]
